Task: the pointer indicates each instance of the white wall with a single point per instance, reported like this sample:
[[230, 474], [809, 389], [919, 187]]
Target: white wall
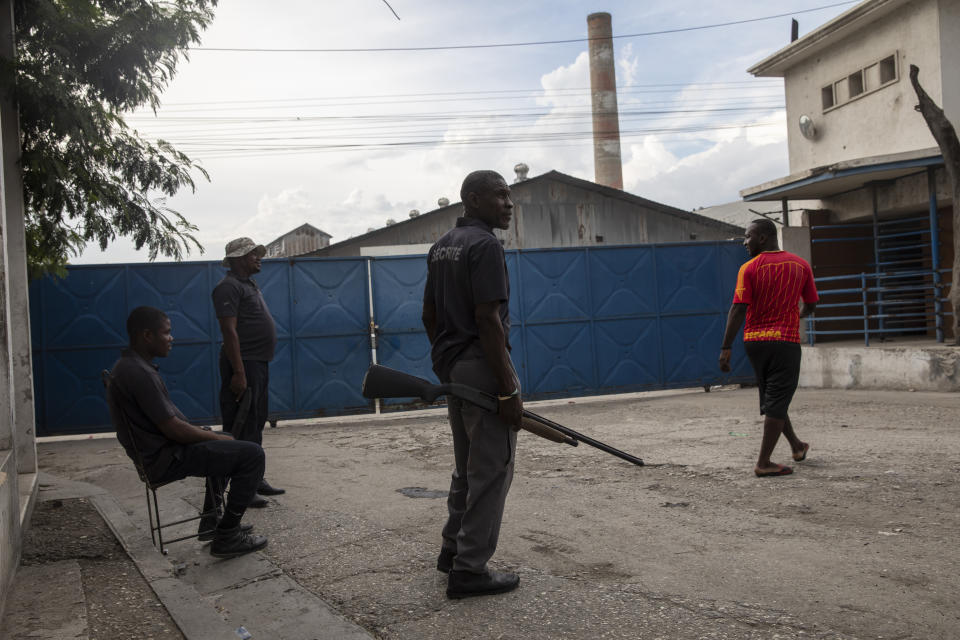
[[881, 122]]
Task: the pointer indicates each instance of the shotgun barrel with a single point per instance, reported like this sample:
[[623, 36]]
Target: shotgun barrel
[[384, 382]]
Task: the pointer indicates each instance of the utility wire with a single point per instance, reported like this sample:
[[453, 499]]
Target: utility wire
[[519, 44], [391, 9], [764, 83]]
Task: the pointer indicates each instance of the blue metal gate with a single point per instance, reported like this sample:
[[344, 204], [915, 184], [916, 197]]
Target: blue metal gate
[[585, 321]]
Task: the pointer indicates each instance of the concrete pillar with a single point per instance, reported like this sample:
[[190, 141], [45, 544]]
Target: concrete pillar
[[796, 240], [10, 521], [607, 166], [15, 249]]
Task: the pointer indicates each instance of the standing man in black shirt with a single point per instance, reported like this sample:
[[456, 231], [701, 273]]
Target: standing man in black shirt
[[170, 447], [466, 315], [249, 340]]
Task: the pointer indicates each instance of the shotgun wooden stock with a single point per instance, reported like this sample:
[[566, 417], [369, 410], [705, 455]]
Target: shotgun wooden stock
[[384, 382]]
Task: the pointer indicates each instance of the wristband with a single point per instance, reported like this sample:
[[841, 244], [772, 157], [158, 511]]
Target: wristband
[[515, 393], [722, 348]]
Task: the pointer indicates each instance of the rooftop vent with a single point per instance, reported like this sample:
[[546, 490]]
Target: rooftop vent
[[414, 213], [443, 202], [521, 170]]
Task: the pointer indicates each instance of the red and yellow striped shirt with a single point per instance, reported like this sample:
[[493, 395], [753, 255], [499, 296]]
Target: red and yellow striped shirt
[[772, 284]]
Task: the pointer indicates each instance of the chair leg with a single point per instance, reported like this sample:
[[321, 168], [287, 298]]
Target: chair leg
[[216, 486], [153, 538], [156, 508]]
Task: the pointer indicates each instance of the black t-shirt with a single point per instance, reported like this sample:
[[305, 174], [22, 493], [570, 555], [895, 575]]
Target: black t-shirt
[[465, 268], [240, 298], [139, 394]]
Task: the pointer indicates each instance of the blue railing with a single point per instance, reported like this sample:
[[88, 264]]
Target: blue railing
[[876, 312]]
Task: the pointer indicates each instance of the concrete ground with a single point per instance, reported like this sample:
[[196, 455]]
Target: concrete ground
[[859, 543]]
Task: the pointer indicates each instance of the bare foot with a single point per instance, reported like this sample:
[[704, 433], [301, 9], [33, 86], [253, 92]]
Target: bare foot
[[799, 455]]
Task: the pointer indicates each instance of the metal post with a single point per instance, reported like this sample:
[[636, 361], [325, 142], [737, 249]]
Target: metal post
[[876, 257], [373, 328], [866, 310], [785, 207], [935, 252]]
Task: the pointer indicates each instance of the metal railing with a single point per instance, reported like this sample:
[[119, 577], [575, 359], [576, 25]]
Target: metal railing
[[908, 311]]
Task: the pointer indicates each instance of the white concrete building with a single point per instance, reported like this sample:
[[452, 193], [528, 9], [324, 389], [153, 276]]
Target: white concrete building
[[857, 145]]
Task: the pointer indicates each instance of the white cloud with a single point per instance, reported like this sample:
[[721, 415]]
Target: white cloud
[[711, 177]]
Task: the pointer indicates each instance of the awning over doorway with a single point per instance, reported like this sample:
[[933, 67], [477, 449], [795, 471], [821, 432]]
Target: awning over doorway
[[849, 175]]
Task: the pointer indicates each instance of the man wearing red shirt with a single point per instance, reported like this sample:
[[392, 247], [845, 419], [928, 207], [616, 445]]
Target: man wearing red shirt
[[769, 287]]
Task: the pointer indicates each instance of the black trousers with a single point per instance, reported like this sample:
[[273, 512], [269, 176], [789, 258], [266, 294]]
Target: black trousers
[[258, 381], [483, 450], [218, 461]]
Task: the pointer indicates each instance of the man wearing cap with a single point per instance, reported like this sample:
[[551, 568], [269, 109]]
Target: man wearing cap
[[249, 340]]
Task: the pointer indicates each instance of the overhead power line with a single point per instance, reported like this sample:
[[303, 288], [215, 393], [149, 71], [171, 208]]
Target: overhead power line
[[758, 83], [518, 44], [391, 9]]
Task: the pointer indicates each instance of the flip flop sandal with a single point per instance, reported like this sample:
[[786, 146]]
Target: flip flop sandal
[[783, 470]]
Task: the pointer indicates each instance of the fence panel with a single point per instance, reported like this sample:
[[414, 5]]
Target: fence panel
[[584, 321]]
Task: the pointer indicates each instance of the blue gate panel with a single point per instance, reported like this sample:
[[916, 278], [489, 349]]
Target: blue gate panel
[[73, 389], [559, 358], [398, 293], [628, 353], [623, 282], [274, 283], [283, 380], [688, 279], [329, 372], [189, 376], [732, 257], [329, 297], [555, 285], [87, 308], [408, 352], [181, 291], [583, 321], [691, 345]]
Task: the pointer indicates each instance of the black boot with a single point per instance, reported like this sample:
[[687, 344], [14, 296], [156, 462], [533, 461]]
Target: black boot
[[463, 584], [258, 502], [445, 560], [208, 526], [230, 543], [265, 489]]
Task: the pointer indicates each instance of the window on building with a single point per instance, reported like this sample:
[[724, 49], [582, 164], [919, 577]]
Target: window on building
[[861, 82], [855, 83], [826, 96], [888, 69]]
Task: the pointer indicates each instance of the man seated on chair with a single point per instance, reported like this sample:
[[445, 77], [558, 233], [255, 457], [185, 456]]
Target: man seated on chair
[[171, 448]]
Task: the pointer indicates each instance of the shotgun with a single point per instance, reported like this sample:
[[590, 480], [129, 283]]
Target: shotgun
[[384, 382]]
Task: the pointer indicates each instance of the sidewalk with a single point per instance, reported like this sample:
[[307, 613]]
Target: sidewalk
[[858, 543]]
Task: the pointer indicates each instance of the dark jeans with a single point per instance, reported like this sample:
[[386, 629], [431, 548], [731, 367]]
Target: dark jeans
[[258, 381], [218, 461]]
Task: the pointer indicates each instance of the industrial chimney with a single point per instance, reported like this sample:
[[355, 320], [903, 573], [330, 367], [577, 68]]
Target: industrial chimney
[[603, 88]]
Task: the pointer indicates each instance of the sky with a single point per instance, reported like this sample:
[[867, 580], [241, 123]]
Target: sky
[[345, 140]]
